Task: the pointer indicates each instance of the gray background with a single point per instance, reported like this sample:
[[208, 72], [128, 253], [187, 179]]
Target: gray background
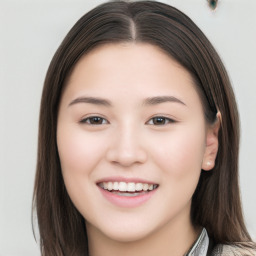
[[30, 32]]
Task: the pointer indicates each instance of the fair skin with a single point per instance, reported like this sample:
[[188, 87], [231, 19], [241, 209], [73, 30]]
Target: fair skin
[[130, 114]]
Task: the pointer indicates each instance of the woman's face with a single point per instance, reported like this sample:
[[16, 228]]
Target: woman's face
[[132, 140]]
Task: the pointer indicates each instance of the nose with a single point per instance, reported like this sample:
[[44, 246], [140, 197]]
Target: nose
[[126, 148]]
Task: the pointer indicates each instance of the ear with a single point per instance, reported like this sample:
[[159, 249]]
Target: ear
[[212, 144]]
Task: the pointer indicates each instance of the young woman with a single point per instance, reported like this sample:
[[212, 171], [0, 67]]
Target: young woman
[[138, 140]]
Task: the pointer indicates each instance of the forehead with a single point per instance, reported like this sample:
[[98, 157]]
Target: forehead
[[129, 69], [129, 57]]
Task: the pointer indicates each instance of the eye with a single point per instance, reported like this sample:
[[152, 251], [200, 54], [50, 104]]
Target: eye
[[160, 120], [94, 120]]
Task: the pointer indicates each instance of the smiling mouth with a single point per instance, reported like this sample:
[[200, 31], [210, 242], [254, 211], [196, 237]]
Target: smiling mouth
[[127, 189]]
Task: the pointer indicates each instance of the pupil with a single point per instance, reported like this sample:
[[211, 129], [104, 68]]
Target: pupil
[[96, 120], [159, 120]]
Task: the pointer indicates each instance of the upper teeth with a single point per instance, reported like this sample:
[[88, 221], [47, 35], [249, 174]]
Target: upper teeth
[[127, 186]]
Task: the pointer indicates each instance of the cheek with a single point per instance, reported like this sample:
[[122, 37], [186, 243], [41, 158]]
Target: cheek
[[76, 150], [79, 154], [179, 159], [181, 152]]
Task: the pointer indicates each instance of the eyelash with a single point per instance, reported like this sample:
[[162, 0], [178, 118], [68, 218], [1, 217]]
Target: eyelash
[[163, 120], [88, 120]]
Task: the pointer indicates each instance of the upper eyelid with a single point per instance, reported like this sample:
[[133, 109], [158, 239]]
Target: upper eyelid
[[166, 116], [82, 120], [172, 120], [93, 115]]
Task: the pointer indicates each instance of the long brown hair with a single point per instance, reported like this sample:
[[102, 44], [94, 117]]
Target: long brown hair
[[216, 202]]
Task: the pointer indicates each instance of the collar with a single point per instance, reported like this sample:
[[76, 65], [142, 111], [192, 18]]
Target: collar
[[200, 247]]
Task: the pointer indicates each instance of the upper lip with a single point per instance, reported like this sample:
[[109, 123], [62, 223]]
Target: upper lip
[[124, 179]]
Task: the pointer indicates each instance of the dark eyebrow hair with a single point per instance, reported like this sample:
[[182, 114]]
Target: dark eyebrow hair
[[91, 100], [148, 101], [162, 99]]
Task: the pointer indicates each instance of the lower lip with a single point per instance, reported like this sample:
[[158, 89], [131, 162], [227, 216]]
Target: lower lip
[[124, 201]]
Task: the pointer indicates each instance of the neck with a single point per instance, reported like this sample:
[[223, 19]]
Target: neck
[[171, 239]]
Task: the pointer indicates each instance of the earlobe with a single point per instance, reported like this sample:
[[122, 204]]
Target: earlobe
[[212, 144]]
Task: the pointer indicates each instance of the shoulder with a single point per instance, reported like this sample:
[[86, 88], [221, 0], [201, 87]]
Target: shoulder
[[236, 249]]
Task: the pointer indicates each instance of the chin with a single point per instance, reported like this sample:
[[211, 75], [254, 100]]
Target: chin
[[128, 236], [123, 233]]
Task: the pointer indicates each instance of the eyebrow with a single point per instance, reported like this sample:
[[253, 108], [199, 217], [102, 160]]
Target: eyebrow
[[91, 100], [148, 101], [162, 99]]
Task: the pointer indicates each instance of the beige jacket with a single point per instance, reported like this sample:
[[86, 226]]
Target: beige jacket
[[241, 249], [205, 247]]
